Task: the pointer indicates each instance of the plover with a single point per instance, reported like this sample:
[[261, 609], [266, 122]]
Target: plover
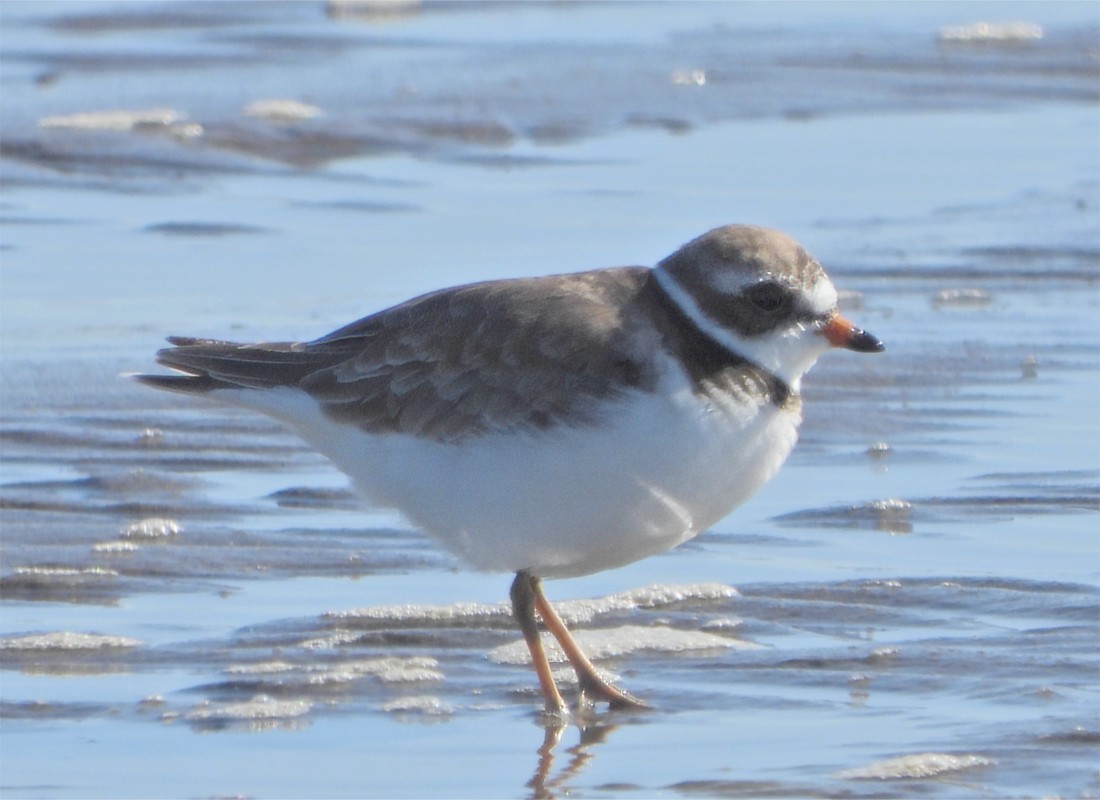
[[557, 426]]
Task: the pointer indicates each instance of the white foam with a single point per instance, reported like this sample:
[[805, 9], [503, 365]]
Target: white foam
[[962, 298], [688, 77], [263, 668], [409, 675], [67, 572], [621, 641], [658, 596], [892, 506], [66, 640], [151, 528], [114, 120], [371, 10], [724, 625], [571, 611], [388, 669], [150, 436], [279, 110], [330, 642], [917, 765], [115, 547], [395, 669], [412, 614], [260, 707], [996, 32], [421, 704]]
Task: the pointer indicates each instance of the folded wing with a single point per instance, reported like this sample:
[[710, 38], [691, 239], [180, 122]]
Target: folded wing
[[497, 356]]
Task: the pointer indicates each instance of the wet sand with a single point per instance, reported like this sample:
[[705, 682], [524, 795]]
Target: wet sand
[[194, 604]]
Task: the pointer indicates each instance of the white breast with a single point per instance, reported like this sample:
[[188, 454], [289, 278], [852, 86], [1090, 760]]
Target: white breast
[[661, 468]]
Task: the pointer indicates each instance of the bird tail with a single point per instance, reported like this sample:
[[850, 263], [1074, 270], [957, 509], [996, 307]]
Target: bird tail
[[206, 365]]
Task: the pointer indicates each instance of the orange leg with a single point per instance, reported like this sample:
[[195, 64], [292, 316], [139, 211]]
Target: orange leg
[[591, 683], [525, 595]]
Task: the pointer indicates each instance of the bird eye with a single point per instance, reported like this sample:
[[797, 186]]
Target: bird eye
[[767, 296]]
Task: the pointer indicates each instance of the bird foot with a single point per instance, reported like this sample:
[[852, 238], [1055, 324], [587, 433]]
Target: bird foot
[[554, 715], [596, 689]]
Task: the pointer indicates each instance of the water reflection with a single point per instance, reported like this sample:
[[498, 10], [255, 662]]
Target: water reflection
[[546, 783]]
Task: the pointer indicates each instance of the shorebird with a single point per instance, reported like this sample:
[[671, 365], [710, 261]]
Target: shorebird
[[557, 426]]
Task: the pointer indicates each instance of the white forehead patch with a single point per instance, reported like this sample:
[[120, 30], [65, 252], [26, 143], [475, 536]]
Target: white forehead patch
[[822, 296]]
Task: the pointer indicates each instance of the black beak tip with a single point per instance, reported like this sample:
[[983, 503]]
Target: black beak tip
[[863, 342]]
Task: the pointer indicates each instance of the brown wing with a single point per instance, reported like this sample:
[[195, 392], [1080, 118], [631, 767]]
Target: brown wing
[[502, 355]]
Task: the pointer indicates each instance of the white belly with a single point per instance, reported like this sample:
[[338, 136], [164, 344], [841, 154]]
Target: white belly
[[569, 501]]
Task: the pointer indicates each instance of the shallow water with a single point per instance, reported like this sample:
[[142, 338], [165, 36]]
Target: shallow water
[[194, 603]]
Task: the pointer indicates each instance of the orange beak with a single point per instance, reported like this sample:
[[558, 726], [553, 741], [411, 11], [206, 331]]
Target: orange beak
[[841, 333]]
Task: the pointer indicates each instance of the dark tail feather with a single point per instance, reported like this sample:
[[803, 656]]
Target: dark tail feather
[[209, 364], [188, 384]]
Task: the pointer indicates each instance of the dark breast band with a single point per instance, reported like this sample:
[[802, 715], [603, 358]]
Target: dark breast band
[[712, 367]]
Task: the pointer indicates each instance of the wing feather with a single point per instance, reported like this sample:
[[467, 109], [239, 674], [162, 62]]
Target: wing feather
[[495, 356]]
